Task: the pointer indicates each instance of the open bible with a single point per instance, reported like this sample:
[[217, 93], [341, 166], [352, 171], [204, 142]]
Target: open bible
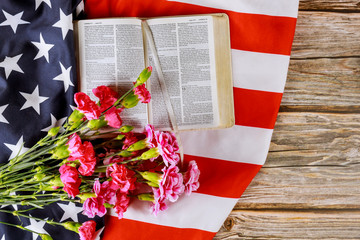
[[195, 62]]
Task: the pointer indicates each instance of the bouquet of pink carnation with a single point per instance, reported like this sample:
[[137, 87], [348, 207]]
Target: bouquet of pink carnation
[[70, 164]]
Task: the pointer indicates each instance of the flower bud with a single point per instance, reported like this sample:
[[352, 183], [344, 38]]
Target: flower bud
[[39, 169], [137, 146], [130, 101], [54, 131], [39, 176], [84, 196], [72, 226], [56, 182], [149, 154], [126, 129], [153, 177], [146, 197], [60, 152], [96, 124], [46, 187], [119, 137], [151, 184], [108, 205], [75, 117], [61, 141], [45, 236], [144, 76], [125, 153]]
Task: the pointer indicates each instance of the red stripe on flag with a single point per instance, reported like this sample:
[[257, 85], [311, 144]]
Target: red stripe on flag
[[223, 178], [249, 32], [126, 229], [255, 108]]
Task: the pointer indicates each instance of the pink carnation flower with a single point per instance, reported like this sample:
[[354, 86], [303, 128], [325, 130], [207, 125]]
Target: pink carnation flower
[[84, 153], [87, 230], [159, 203], [114, 159], [171, 185], [150, 136], [105, 190], [130, 139], [168, 147], [107, 96], [122, 177], [94, 206], [191, 178], [105, 193], [87, 160], [122, 203], [70, 178], [87, 106], [113, 118], [142, 93], [74, 145]]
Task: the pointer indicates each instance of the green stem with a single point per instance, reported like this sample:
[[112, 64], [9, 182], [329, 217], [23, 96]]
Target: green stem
[[23, 228], [123, 96], [21, 176], [131, 160], [17, 213]]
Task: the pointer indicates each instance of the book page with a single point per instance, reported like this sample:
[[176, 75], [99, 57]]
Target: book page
[[185, 47], [111, 53]]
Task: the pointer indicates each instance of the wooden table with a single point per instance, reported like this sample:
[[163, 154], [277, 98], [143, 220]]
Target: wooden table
[[309, 187]]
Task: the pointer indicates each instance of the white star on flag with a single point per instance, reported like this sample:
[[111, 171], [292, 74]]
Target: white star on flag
[[3, 237], [13, 205], [65, 23], [98, 233], [70, 211], [54, 123], [16, 149], [37, 227], [65, 77], [10, 64], [33, 100], [13, 20], [38, 2], [43, 48], [2, 118]]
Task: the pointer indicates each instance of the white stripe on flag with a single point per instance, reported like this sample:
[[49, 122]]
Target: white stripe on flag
[[259, 71], [198, 211], [284, 8], [80, 8], [237, 144]]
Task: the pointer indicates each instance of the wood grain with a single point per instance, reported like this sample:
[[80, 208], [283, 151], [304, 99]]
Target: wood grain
[[326, 34], [330, 5], [323, 82], [250, 224], [313, 163], [315, 139]]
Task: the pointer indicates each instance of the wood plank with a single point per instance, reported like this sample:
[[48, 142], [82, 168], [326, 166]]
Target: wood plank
[[326, 34], [314, 162], [325, 187], [250, 224], [330, 5], [315, 139], [324, 82]]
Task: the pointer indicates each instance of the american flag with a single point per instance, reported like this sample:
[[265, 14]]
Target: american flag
[[261, 32], [37, 84]]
